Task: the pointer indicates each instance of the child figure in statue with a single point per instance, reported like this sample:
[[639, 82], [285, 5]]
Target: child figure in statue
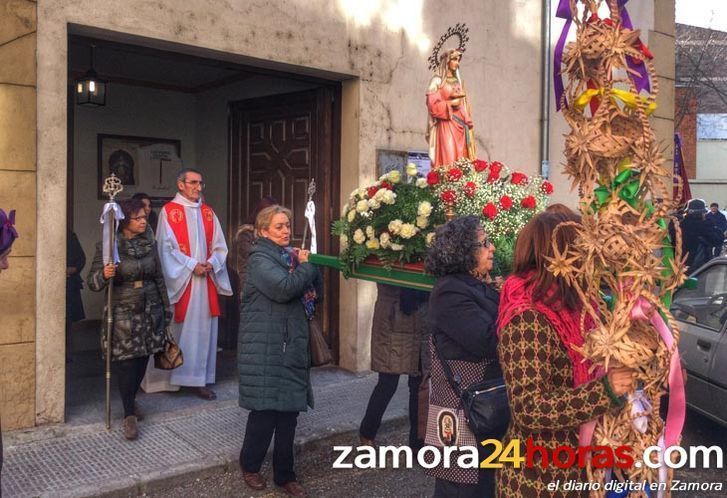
[[450, 129]]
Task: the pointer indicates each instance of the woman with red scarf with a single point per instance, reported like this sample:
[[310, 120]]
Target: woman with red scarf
[[550, 389]]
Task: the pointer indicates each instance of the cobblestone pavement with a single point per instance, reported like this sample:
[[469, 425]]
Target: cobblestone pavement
[[87, 460]]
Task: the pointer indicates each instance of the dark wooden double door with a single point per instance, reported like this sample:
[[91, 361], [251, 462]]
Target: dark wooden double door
[[277, 145]]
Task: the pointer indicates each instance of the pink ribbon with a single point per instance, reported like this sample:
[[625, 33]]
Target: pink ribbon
[[643, 310]]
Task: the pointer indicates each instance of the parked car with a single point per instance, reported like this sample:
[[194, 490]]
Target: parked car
[[701, 314]]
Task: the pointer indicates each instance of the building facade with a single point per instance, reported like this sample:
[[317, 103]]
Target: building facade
[[361, 68]]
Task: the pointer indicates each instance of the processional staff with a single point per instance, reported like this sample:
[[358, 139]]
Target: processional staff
[[310, 214], [110, 218]]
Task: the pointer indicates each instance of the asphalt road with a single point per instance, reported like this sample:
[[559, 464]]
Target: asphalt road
[[320, 480]]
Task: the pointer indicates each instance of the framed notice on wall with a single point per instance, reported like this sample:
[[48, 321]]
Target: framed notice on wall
[[143, 164], [390, 160]]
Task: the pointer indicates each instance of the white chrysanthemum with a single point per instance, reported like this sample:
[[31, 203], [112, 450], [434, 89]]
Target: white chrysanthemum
[[388, 197], [394, 176], [422, 183], [372, 244], [370, 232], [385, 240], [422, 221], [343, 240], [430, 238], [395, 226], [411, 169], [424, 208], [358, 236], [397, 247], [351, 215], [362, 206], [408, 230], [374, 203]]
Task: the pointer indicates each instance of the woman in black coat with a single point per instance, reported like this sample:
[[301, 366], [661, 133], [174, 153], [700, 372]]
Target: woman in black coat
[[140, 305], [463, 314]]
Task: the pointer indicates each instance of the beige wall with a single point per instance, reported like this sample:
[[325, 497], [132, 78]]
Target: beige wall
[[18, 191]]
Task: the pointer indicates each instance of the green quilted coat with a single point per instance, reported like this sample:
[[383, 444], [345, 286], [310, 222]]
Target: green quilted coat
[[273, 354]]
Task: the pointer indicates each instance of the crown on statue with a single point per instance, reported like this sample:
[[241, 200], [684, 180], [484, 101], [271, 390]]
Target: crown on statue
[[461, 31]]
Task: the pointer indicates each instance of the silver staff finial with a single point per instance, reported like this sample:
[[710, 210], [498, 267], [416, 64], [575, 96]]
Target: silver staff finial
[[112, 186]]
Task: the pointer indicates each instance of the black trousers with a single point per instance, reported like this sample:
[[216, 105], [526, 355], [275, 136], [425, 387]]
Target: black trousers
[[129, 374], [380, 398], [261, 425]]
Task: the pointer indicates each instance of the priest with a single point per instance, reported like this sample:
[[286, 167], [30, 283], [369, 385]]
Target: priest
[[193, 254]]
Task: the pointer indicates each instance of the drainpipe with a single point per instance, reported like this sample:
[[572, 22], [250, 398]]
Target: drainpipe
[[545, 94]]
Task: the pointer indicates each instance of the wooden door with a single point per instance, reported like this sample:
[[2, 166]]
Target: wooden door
[[277, 144]]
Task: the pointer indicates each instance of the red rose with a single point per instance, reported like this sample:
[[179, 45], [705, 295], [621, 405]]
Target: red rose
[[449, 196], [480, 165], [546, 187], [518, 178], [433, 178], [469, 189], [387, 185], [529, 202], [495, 169], [372, 191], [454, 174], [490, 210], [505, 202]]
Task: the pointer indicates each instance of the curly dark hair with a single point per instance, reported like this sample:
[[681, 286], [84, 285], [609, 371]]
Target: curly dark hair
[[454, 249], [129, 207]]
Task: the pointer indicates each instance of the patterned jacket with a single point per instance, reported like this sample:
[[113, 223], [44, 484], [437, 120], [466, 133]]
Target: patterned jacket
[[140, 301], [544, 405]]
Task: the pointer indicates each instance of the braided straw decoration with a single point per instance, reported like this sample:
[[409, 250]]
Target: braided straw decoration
[[620, 239]]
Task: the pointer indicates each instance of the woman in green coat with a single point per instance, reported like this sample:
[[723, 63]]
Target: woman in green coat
[[278, 300]]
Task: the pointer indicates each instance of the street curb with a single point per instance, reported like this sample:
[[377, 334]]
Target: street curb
[[181, 475]]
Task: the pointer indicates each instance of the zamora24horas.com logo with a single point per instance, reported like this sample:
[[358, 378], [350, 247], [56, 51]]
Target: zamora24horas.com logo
[[561, 457]]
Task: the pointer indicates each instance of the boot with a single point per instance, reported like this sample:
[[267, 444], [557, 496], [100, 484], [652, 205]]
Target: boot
[[131, 431]]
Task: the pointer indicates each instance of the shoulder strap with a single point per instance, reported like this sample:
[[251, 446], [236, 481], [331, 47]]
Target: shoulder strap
[[453, 381]]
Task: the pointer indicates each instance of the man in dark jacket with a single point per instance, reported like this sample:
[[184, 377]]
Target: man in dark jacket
[[699, 236], [719, 220]]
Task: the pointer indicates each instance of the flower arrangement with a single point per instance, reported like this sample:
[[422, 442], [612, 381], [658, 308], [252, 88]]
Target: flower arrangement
[[505, 200], [394, 219]]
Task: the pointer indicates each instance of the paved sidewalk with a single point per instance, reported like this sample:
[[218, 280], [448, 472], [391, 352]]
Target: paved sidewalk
[[88, 460]]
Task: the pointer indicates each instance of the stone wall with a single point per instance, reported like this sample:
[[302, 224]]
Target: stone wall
[[18, 191]]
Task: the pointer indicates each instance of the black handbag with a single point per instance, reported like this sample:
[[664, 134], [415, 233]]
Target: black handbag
[[485, 404]]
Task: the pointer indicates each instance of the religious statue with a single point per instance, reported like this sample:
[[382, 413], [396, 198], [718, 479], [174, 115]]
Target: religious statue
[[450, 130]]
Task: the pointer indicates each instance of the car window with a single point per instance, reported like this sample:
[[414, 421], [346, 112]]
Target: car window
[[705, 305]]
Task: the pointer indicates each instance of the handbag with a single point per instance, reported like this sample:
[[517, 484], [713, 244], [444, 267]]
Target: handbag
[[484, 403], [171, 356], [320, 353]]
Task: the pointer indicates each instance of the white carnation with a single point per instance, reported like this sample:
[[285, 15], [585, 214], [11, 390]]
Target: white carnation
[[351, 215], [422, 183], [424, 208], [422, 221], [361, 192], [345, 209], [362, 206], [394, 176], [395, 226], [411, 169], [358, 236], [370, 232], [430, 238], [374, 203], [343, 239], [408, 230], [385, 240], [397, 247], [388, 197]]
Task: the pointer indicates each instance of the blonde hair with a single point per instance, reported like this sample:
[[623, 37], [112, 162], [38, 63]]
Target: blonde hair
[[265, 216]]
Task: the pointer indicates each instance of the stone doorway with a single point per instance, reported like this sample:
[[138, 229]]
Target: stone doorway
[[173, 96]]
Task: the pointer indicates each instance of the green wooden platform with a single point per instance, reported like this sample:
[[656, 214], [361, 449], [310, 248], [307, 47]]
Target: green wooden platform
[[399, 277]]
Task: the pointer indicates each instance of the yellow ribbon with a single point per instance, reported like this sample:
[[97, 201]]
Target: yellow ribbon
[[629, 99]]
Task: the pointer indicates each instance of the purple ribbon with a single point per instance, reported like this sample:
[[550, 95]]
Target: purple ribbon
[[563, 12], [640, 76], [7, 230]]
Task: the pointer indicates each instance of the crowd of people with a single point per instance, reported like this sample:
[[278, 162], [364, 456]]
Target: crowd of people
[[525, 331]]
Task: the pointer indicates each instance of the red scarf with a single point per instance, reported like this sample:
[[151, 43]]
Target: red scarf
[[517, 297]]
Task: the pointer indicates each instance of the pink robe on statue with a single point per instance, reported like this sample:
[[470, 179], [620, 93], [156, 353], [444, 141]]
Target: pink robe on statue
[[451, 127]]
